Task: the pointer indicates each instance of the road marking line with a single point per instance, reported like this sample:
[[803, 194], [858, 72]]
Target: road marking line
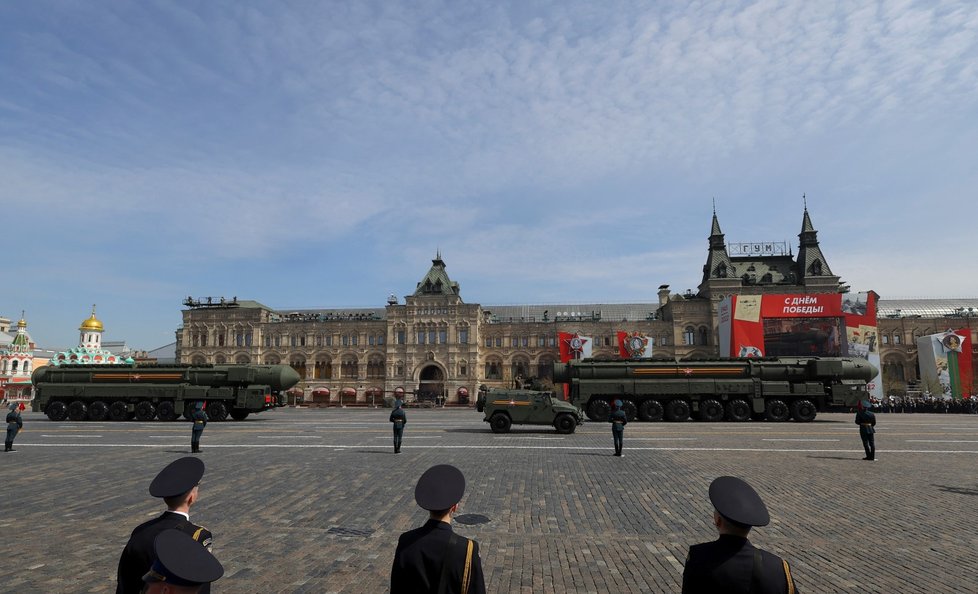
[[413, 437], [940, 441], [663, 439], [496, 447], [786, 439], [289, 436], [59, 435]]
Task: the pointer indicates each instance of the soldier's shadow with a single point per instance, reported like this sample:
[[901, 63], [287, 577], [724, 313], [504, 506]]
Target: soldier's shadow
[[836, 458], [958, 490]]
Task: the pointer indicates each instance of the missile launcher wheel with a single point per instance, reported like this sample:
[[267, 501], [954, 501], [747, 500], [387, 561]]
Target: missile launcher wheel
[[803, 411], [77, 411], [631, 411], [98, 411], [677, 410], [166, 411], [738, 411], [598, 410], [145, 411], [650, 410], [56, 410], [711, 411], [118, 411], [776, 410], [217, 411]]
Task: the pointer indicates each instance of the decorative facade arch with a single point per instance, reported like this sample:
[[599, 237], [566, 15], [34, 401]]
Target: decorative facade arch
[[242, 359], [349, 364], [375, 365], [545, 367], [198, 360], [323, 367], [494, 368], [273, 359]]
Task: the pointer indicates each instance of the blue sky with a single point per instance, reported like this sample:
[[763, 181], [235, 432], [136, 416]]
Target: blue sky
[[317, 154]]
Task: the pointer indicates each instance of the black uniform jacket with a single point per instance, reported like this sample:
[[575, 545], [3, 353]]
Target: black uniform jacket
[[398, 415], [866, 421], [139, 555], [727, 565], [419, 557]]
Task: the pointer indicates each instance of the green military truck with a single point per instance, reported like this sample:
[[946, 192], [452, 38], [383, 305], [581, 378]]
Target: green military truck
[[504, 408], [164, 392]]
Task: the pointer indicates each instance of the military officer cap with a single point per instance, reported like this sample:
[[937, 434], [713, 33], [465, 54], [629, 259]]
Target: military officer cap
[[738, 502], [13, 406], [617, 403], [440, 487], [182, 561], [177, 478]]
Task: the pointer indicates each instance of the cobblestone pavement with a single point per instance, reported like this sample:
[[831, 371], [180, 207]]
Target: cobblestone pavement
[[313, 500]]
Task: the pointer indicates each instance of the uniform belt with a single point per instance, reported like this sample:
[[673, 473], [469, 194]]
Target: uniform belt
[[866, 424]]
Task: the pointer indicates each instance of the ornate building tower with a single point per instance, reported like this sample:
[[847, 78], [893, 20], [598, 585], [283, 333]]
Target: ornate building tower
[[89, 350], [16, 364], [812, 270]]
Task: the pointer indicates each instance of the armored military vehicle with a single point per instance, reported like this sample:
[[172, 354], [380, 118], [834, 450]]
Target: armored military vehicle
[[504, 408], [164, 392], [772, 389]]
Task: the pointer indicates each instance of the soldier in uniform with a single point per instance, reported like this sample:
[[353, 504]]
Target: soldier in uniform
[[731, 564], [177, 484], [399, 419], [14, 424], [867, 429], [182, 565], [618, 420], [199, 419], [432, 558]]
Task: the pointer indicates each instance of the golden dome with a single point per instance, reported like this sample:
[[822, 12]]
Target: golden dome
[[92, 323]]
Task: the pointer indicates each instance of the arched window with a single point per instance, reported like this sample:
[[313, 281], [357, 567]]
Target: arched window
[[494, 369], [545, 368], [520, 367], [375, 366], [299, 364], [242, 360], [348, 367], [689, 336], [219, 360], [324, 368], [704, 336], [13, 366], [198, 360], [272, 360]]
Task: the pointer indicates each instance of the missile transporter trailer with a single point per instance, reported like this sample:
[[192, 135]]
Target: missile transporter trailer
[[504, 408], [773, 389], [164, 392]]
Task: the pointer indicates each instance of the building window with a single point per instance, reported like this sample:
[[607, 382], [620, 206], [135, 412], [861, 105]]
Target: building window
[[401, 337], [499, 342], [420, 336], [463, 369], [399, 369], [346, 340], [248, 339], [897, 338], [278, 341], [220, 339], [541, 341], [380, 340], [329, 340], [355, 339], [886, 339], [442, 336], [463, 337], [703, 339], [431, 337], [348, 369], [488, 341], [319, 340], [689, 336], [268, 341], [370, 340], [493, 370]]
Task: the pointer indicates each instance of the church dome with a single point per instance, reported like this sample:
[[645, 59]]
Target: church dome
[[92, 324]]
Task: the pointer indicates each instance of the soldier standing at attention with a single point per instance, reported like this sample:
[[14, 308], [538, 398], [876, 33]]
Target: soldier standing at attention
[[618, 420], [399, 419], [731, 564], [182, 565], [177, 484], [200, 421], [432, 558], [867, 429], [14, 424]]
